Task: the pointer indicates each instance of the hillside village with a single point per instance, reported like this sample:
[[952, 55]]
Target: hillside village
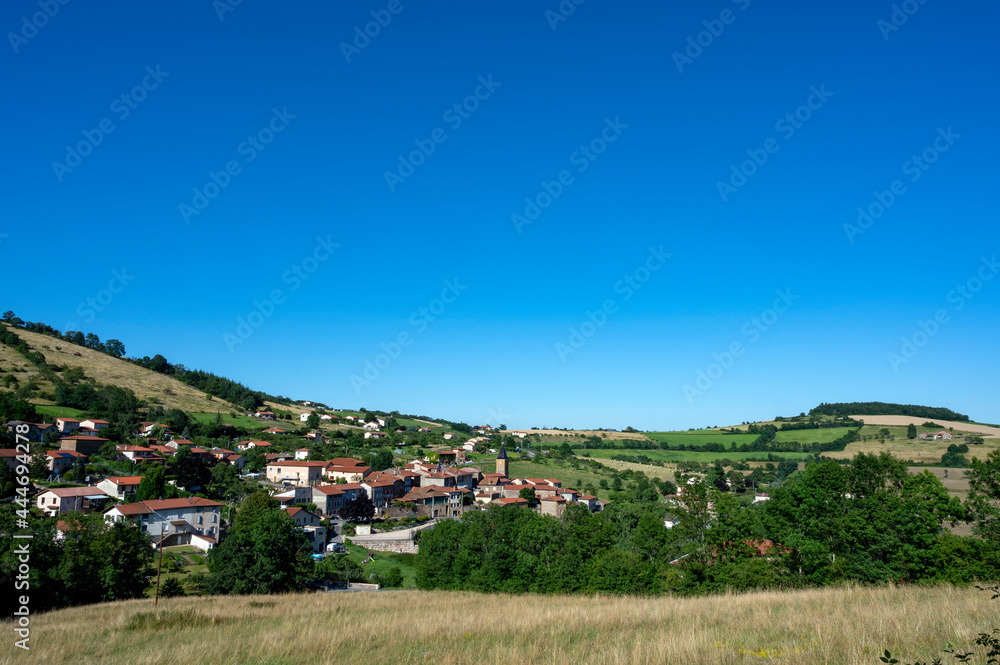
[[356, 492]]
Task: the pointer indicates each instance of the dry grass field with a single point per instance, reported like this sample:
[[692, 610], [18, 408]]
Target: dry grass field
[[903, 421], [837, 625], [916, 450], [148, 385]]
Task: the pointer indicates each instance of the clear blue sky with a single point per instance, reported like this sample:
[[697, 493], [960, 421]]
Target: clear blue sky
[[639, 123]]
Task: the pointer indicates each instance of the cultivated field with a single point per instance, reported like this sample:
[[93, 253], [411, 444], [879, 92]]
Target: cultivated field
[[912, 449], [558, 433], [675, 456], [700, 437], [903, 421], [836, 626]]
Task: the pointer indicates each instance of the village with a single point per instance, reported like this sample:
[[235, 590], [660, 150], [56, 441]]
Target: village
[[314, 492]]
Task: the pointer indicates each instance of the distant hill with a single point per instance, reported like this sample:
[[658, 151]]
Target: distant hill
[[886, 409]]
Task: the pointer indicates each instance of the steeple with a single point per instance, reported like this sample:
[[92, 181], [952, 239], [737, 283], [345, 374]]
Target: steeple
[[502, 460]]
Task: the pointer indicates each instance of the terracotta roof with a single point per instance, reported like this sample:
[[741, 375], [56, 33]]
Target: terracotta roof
[[54, 453], [126, 480], [63, 492], [82, 437]]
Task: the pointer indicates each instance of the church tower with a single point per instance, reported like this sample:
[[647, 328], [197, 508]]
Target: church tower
[[502, 460]]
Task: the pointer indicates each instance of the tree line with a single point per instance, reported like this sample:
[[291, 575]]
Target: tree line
[[886, 409], [868, 522]]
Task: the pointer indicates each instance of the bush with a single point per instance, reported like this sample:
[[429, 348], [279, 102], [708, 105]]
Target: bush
[[393, 578], [171, 588]]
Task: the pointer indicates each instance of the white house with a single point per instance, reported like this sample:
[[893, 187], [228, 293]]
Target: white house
[[120, 487], [191, 521], [374, 427], [95, 424], [303, 417], [302, 454], [68, 499]]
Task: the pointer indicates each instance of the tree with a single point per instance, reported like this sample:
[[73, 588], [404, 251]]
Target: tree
[[382, 461], [153, 484], [983, 502], [263, 553], [191, 473], [115, 348], [360, 509], [911, 431], [312, 421], [171, 588], [528, 494]]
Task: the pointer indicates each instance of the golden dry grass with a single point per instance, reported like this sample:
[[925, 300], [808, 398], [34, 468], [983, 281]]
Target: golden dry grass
[[665, 472], [148, 385], [843, 625], [913, 449], [985, 430]]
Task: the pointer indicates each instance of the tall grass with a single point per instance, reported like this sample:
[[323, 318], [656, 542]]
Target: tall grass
[[835, 625]]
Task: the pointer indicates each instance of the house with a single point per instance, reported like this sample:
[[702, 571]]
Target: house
[[592, 502], [191, 521], [553, 505], [140, 454], [122, 488], [235, 460], [330, 499], [523, 503], [311, 525], [383, 422], [302, 454], [250, 445], [297, 472], [375, 435], [303, 417], [274, 430], [347, 469], [177, 444], [449, 436], [61, 461], [315, 435], [327, 416], [374, 427], [67, 425], [279, 457], [35, 431], [943, 435], [68, 499], [95, 424], [81, 443], [436, 501], [265, 415], [9, 456], [456, 456], [382, 493], [424, 430]]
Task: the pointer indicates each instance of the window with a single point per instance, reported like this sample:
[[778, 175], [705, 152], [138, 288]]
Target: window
[[214, 518], [199, 519]]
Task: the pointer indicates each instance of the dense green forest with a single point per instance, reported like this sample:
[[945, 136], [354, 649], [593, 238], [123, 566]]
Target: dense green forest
[[885, 409]]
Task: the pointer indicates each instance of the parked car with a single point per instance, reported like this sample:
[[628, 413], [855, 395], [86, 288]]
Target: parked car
[[336, 548]]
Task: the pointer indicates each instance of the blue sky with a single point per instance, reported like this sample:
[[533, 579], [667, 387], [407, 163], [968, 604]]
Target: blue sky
[[257, 148]]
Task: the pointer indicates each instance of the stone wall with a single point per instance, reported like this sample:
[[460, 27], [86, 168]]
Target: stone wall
[[404, 546]]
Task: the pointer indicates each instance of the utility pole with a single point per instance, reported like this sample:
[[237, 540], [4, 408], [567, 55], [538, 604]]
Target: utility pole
[[159, 564]]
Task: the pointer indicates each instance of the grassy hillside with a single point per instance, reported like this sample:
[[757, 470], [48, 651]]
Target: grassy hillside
[[833, 625], [148, 385], [688, 455]]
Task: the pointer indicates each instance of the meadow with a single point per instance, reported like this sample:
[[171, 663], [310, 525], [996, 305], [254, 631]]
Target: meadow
[[839, 625], [675, 456]]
